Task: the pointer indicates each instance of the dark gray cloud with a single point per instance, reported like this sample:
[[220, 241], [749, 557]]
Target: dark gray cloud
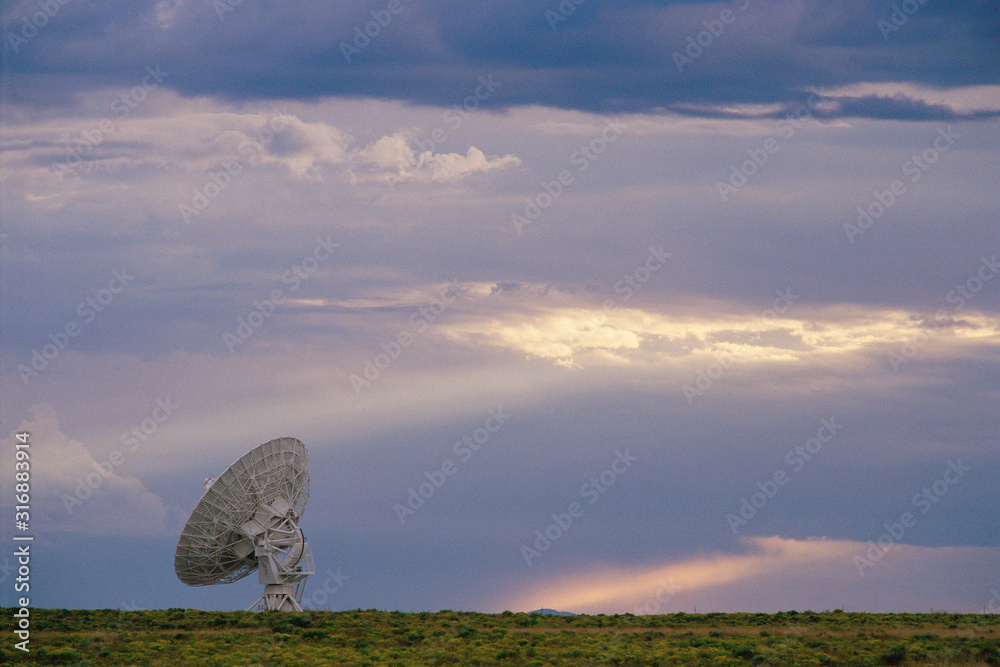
[[598, 58]]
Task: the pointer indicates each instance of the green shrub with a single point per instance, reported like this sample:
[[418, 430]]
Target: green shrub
[[895, 656]]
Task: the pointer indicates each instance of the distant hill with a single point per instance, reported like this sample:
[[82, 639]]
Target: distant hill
[[551, 612]]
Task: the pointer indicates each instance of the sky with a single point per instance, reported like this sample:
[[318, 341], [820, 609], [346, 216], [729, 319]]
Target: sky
[[633, 307]]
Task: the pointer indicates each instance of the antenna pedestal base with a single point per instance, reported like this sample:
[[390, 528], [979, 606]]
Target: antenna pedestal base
[[277, 597]]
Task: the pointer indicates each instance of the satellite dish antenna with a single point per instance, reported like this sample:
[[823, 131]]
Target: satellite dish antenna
[[248, 520]]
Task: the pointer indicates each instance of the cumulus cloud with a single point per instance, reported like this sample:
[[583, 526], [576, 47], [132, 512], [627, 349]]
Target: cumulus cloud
[[392, 157], [177, 140], [72, 491]]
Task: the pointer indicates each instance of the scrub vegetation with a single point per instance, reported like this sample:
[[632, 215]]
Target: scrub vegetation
[[192, 637]]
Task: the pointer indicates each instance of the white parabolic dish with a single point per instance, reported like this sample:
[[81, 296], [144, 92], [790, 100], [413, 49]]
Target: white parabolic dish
[[248, 520]]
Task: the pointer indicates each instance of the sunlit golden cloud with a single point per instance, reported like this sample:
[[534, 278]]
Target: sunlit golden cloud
[[576, 336], [765, 562], [620, 587]]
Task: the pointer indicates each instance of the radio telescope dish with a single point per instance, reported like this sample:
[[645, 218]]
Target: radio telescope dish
[[248, 520]]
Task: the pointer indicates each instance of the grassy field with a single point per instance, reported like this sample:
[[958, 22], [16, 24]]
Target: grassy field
[[191, 637]]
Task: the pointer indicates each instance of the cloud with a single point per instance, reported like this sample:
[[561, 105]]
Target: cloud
[[961, 100], [569, 334], [392, 158], [900, 107], [325, 269], [609, 59], [762, 566], [71, 491], [617, 588], [897, 106], [168, 137]]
